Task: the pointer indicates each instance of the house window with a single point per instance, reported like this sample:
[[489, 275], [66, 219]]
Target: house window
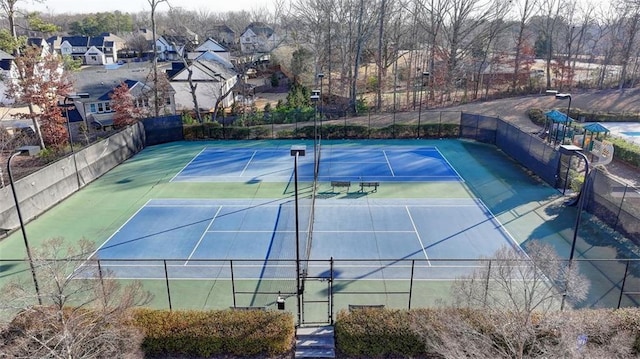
[[167, 101], [100, 107], [92, 108], [107, 106], [94, 58], [146, 102]]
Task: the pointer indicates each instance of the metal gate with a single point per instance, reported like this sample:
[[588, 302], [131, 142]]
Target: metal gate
[[317, 298]]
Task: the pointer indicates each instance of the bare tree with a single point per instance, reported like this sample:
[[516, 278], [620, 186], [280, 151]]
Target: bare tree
[[516, 292], [526, 9], [154, 5], [83, 314]]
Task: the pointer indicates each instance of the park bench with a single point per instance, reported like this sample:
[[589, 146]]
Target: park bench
[[346, 184], [369, 184]]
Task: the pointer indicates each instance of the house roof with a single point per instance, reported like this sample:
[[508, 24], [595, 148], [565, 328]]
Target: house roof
[[260, 29], [134, 86], [213, 57], [5, 61], [223, 28], [210, 45], [98, 81], [206, 70]]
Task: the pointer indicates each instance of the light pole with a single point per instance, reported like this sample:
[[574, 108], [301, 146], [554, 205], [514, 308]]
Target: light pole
[[297, 151], [315, 98], [321, 77], [424, 74], [22, 151], [66, 110], [571, 150], [564, 96]]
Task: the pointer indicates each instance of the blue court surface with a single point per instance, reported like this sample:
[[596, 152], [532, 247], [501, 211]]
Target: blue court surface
[[390, 164], [368, 238]]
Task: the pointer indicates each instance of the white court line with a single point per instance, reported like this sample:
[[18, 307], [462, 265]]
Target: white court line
[[496, 220], [248, 163], [418, 235], [363, 231], [185, 166], [450, 165], [388, 163], [117, 230], [203, 234]]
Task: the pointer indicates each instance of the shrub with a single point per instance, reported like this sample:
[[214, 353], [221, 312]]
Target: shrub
[[207, 333], [377, 333]]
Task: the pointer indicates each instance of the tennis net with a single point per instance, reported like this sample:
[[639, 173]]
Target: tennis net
[[314, 193]]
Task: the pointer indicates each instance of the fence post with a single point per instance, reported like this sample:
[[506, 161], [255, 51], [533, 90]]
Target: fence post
[[624, 194], [104, 295], [486, 285], [331, 291], [413, 265], [166, 277], [624, 280], [233, 283]]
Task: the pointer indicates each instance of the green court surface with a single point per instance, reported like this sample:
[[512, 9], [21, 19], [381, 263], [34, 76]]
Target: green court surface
[[528, 209]]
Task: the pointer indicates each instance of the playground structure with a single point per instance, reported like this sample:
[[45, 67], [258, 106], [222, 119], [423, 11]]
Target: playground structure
[[561, 129]]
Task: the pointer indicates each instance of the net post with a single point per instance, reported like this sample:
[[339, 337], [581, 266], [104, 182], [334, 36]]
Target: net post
[[413, 266], [233, 283], [486, 284], [166, 277]]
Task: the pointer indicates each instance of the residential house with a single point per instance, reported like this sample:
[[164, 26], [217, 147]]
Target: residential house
[[98, 50], [258, 38], [223, 34], [214, 76], [99, 84], [173, 47], [7, 73], [212, 46], [41, 44]]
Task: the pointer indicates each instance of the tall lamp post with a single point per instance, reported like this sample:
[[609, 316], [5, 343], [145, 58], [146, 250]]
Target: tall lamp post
[[26, 150], [315, 98], [321, 77], [571, 150], [297, 151], [66, 111], [564, 96], [424, 74]]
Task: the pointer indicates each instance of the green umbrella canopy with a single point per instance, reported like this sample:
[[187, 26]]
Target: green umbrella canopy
[[595, 127], [558, 117]]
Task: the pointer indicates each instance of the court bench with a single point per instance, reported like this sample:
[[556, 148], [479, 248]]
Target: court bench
[[346, 184], [369, 184]]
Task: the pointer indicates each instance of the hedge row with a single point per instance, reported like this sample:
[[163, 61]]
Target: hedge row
[[208, 333], [218, 132], [452, 332]]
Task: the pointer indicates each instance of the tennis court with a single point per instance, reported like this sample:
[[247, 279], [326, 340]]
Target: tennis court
[[215, 221], [197, 237], [389, 164]]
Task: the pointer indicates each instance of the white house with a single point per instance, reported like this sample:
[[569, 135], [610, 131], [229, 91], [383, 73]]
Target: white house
[[8, 73], [214, 76], [258, 38], [210, 45], [100, 83], [98, 50]]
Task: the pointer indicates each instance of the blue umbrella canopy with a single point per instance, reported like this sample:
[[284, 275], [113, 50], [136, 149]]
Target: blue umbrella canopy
[[558, 117], [595, 127]]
